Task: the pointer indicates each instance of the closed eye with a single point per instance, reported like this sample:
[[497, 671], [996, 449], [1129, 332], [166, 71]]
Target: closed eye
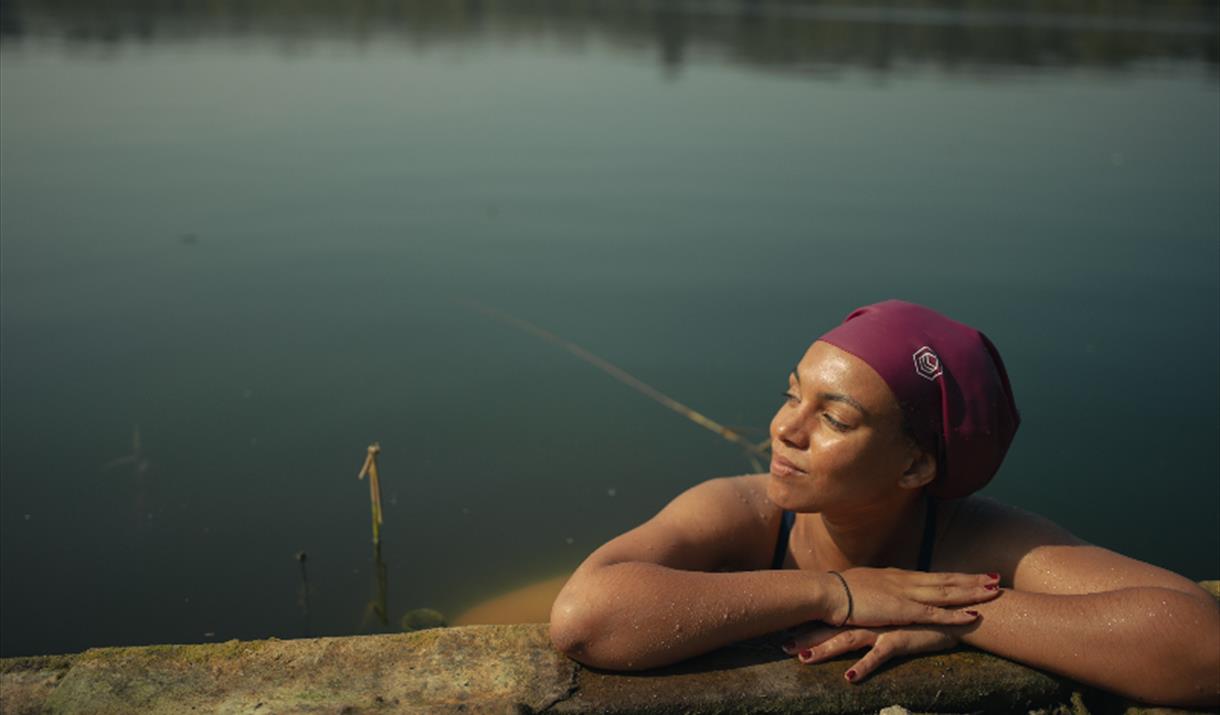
[[835, 424]]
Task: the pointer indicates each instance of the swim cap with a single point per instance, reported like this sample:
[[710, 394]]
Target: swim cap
[[950, 382]]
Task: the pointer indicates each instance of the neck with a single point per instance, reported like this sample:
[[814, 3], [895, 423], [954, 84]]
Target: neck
[[881, 533]]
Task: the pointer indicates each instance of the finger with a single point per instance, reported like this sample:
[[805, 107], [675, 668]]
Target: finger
[[946, 595], [962, 580], [844, 642], [882, 651], [809, 638], [941, 616]]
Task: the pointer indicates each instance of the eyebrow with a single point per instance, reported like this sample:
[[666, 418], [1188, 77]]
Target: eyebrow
[[834, 396]]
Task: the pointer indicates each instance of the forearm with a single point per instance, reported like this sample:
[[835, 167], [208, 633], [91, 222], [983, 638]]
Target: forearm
[[639, 615], [1151, 644]]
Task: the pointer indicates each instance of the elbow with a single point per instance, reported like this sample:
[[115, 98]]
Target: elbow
[[573, 624], [579, 631], [569, 628], [1192, 679], [1200, 686], [1201, 693]]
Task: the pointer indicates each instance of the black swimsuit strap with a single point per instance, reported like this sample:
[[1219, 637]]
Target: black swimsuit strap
[[925, 546], [781, 543], [929, 535]]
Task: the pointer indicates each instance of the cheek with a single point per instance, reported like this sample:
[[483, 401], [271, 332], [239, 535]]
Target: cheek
[[850, 462], [857, 462], [835, 452]]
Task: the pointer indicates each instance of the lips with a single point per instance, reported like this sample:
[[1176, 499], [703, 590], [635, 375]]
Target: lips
[[781, 467]]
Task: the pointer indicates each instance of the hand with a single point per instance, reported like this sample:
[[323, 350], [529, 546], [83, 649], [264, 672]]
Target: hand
[[894, 597], [883, 643]]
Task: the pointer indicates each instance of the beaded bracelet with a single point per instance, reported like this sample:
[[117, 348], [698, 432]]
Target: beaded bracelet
[[849, 600]]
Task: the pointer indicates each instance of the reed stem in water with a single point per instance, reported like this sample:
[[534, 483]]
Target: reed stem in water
[[370, 468], [752, 450]]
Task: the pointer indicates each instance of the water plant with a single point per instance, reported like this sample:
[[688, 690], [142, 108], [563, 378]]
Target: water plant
[[753, 451], [370, 468]]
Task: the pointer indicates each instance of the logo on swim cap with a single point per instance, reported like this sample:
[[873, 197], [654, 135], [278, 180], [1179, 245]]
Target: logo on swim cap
[[927, 364]]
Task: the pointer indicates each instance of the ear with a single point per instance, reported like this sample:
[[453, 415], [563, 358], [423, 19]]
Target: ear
[[920, 471]]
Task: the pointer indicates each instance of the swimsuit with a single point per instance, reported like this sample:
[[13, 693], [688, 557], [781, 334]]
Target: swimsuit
[[925, 546]]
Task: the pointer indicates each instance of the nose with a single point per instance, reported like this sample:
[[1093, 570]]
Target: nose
[[788, 428]]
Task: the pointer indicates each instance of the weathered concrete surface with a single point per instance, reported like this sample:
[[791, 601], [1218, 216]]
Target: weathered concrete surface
[[494, 669], [758, 678], [511, 669], [482, 669]]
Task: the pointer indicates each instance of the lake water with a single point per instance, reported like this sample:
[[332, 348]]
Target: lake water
[[261, 237]]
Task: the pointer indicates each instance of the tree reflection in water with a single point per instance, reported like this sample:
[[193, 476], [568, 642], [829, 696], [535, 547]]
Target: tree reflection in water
[[788, 36]]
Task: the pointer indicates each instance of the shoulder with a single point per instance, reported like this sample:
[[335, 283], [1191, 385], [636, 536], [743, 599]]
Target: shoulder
[[720, 524], [1032, 553], [978, 530]]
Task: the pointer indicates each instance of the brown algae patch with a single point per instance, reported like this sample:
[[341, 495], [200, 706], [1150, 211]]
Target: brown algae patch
[[217, 654], [36, 662]]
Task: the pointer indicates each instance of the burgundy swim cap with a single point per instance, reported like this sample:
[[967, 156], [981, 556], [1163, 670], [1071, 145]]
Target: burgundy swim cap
[[950, 382]]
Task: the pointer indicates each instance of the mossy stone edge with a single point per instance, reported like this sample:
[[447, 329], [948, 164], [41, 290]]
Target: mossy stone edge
[[514, 669]]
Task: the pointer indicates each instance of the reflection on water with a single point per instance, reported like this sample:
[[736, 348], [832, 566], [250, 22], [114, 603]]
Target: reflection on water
[[376, 609], [788, 35], [303, 594], [255, 230]]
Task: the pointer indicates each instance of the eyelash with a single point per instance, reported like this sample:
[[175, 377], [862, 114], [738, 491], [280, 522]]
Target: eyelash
[[834, 424]]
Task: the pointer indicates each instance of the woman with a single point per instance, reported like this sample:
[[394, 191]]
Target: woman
[[866, 526]]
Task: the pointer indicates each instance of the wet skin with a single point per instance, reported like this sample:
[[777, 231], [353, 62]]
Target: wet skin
[[697, 575]]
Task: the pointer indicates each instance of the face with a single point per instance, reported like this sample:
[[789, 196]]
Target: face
[[837, 441]]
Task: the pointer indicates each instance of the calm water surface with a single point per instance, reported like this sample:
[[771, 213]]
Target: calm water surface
[[258, 240]]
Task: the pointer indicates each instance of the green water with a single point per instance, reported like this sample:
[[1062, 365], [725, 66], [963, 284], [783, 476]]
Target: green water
[[255, 235]]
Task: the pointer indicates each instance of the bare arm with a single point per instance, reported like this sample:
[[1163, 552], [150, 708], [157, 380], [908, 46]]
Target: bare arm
[[1152, 644], [654, 595], [688, 581], [639, 615], [1094, 615]]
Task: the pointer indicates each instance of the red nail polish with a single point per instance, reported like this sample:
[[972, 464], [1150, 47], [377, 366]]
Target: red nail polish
[[851, 675], [992, 587], [806, 654], [973, 613], [994, 575]]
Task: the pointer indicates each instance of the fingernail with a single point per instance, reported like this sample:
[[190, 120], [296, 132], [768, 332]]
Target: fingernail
[[806, 654], [851, 675], [789, 647], [992, 587], [973, 613], [994, 575]]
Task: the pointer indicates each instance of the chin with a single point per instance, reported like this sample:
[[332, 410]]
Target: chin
[[788, 496]]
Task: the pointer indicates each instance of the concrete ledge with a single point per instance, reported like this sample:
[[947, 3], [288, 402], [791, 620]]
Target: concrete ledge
[[510, 669]]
